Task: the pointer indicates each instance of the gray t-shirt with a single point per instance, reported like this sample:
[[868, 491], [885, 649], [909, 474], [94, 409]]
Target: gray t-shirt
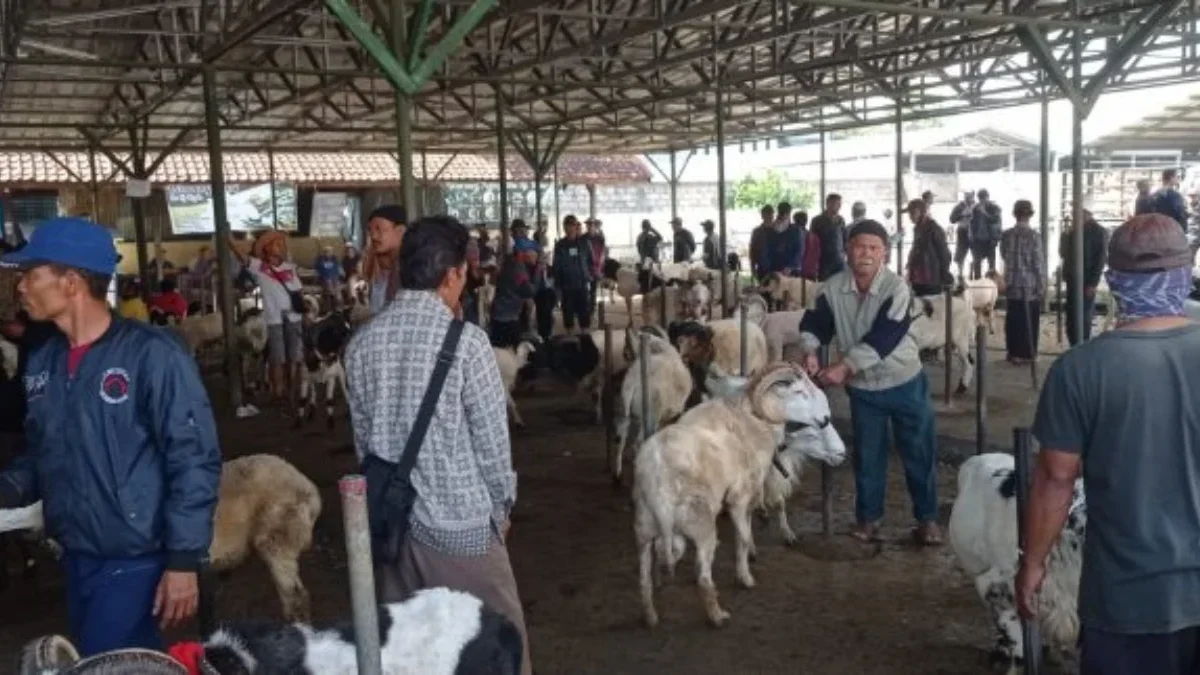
[[1129, 402]]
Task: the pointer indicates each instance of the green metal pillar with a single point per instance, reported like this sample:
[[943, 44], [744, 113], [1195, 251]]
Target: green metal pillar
[[221, 226], [274, 199], [1077, 115], [674, 176], [1044, 197], [404, 108], [900, 188], [722, 234], [138, 206], [502, 169]]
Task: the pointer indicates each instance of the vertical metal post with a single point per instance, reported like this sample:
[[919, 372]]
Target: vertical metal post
[[1077, 115], [139, 213], [662, 299], [606, 408], [674, 187], [274, 201], [221, 226], [557, 210], [949, 341], [742, 355], [821, 123], [899, 188], [722, 233], [643, 370], [981, 337], [1044, 201], [1058, 304], [1031, 638], [502, 167], [404, 109], [826, 470], [591, 190], [95, 184], [537, 183], [424, 200], [353, 490]]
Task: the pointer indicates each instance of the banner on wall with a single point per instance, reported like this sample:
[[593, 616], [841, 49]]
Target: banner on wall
[[330, 215], [248, 207]]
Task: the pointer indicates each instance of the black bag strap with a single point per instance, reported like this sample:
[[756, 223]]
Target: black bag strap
[[416, 437]]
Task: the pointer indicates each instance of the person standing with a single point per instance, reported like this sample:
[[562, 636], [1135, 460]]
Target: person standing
[[1024, 284], [648, 243], [514, 289], [761, 239], [463, 478], [984, 234], [1144, 202], [571, 269], [1168, 201], [1119, 411], [329, 273], [960, 217], [929, 257], [385, 228], [712, 246], [683, 244], [1094, 252], [831, 230], [280, 286], [865, 309], [122, 447], [351, 262], [594, 236]]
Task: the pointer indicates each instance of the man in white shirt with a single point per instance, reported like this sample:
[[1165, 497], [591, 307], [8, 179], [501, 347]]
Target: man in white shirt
[[279, 285]]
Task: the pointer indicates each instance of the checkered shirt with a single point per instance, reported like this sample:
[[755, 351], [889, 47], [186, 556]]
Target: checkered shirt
[[463, 477]]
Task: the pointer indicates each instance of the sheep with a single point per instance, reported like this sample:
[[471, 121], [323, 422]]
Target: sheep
[[200, 330], [782, 329], [668, 272], [697, 301], [983, 294], [266, 504], [718, 344], [652, 303], [928, 330], [624, 280], [983, 536], [509, 361], [717, 456], [801, 443], [800, 293], [671, 385]]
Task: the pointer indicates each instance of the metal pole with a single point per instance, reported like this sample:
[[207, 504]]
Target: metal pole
[[949, 340], [139, 214], [606, 393], [823, 195], [899, 188], [643, 370], [1023, 458], [1078, 113], [826, 470], [1044, 202], [537, 184], [674, 185], [662, 299], [981, 336], [557, 212], [502, 166], [271, 175], [742, 340], [424, 200], [95, 185], [591, 191], [353, 490], [722, 234], [1058, 304], [404, 110], [221, 226]]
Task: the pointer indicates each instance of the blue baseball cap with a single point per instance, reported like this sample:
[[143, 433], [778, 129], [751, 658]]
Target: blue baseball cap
[[68, 241]]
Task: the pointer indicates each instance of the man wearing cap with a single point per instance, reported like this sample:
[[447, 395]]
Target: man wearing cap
[[1094, 254], [866, 310], [683, 243], [122, 446], [514, 289], [381, 271], [1120, 411], [571, 269]]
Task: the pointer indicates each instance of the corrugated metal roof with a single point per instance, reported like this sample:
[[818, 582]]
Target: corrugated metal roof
[[317, 168]]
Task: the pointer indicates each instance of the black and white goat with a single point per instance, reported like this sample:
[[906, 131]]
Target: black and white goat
[[325, 339]]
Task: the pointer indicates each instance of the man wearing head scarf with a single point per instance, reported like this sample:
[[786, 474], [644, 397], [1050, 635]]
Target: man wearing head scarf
[[865, 309], [385, 229], [1120, 412], [280, 286]]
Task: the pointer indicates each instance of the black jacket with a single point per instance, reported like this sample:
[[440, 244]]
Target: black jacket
[[685, 246], [572, 266], [1095, 253], [513, 288], [832, 233]]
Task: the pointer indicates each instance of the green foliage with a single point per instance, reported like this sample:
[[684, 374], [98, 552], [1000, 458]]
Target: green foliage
[[771, 188]]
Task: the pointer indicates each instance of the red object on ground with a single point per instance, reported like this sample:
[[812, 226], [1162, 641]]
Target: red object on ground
[[189, 654]]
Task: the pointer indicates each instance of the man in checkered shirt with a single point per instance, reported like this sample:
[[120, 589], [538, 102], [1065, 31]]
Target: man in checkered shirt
[[463, 478]]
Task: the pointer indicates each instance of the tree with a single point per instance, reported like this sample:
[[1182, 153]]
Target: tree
[[754, 192]]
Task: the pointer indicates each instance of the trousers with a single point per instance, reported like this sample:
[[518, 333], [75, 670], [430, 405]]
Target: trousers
[[110, 602], [1175, 653]]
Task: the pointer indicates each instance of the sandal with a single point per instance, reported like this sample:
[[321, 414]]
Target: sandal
[[928, 534], [865, 532]]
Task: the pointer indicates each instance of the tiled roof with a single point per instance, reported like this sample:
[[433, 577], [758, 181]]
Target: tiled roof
[[317, 168]]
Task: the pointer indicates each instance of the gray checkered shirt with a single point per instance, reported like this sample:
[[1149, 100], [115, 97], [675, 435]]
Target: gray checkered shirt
[[463, 477]]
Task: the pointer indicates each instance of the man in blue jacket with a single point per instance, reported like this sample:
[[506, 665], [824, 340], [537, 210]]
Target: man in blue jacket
[[121, 446]]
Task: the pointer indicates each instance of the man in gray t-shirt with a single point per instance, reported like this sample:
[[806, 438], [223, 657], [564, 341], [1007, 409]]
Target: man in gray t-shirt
[[1124, 410]]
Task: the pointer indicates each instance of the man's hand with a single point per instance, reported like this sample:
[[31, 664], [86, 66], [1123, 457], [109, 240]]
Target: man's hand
[[1029, 583], [835, 375], [811, 364], [176, 599]]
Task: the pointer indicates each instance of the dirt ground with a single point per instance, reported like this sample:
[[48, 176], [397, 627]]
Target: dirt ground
[[827, 606]]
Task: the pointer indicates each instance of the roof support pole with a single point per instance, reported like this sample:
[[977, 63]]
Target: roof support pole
[[271, 176], [542, 160], [1140, 30], [900, 188], [404, 106], [95, 184], [591, 199], [502, 169], [221, 227], [138, 207], [424, 183], [1078, 114], [537, 189], [674, 186], [722, 234], [1044, 197], [821, 189]]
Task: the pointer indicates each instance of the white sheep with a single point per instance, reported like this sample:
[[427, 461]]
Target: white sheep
[[200, 330], [983, 294], [716, 458], [800, 293], [717, 346], [670, 386], [928, 330], [436, 631], [510, 361], [672, 271], [782, 329], [983, 535], [801, 443]]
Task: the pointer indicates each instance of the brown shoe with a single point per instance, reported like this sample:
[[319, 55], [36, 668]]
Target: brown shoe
[[928, 534]]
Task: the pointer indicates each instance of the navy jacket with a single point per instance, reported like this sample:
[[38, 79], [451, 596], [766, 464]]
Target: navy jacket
[[124, 455], [572, 267]]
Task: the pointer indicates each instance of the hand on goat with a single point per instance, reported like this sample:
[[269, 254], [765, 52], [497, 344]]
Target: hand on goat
[[835, 375], [176, 598], [1028, 585]]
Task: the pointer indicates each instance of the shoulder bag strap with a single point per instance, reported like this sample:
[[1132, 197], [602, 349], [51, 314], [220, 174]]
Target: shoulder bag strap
[[420, 426]]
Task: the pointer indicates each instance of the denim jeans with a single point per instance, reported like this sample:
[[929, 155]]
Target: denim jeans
[[908, 409], [110, 602], [1175, 653]]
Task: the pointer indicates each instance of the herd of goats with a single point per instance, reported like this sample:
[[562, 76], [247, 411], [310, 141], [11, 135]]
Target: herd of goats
[[727, 434]]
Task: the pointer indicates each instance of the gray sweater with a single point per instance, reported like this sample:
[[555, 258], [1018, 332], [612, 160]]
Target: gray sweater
[[463, 477]]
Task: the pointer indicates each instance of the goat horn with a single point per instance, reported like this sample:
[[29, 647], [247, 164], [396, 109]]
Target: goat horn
[[128, 662], [48, 654], [768, 377]]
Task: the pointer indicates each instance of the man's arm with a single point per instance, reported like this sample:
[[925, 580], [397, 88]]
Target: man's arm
[[486, 412], [187, 436], [817, 327], [887, 330]]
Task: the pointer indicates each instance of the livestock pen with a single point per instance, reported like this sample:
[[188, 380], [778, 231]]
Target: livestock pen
[[828, 605]]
